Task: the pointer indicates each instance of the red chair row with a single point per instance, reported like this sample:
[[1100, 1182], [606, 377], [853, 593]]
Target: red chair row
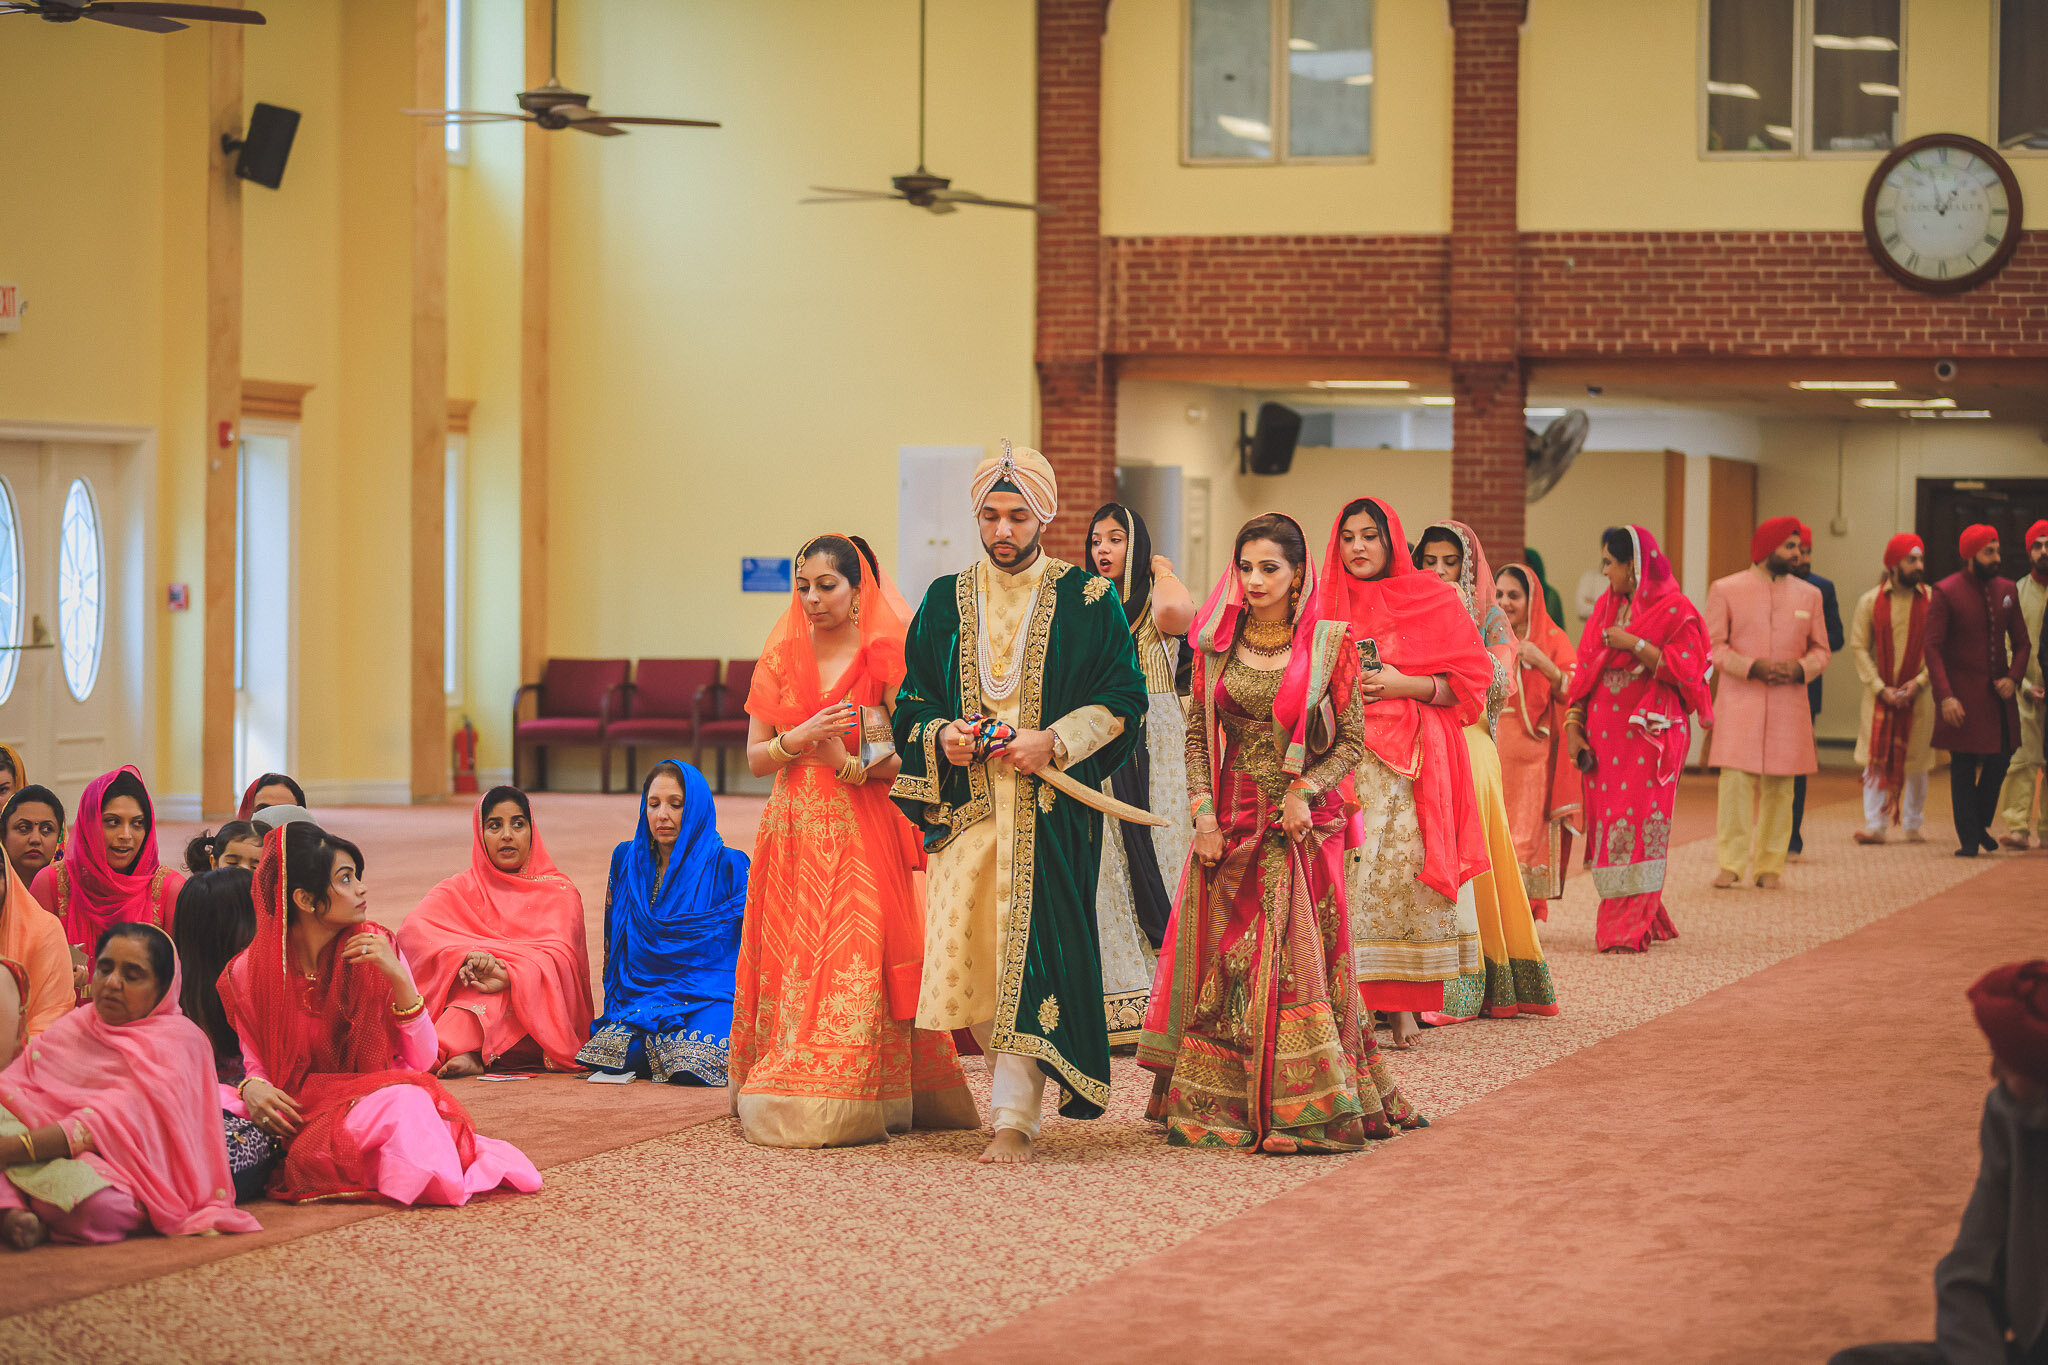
[[614, 703]]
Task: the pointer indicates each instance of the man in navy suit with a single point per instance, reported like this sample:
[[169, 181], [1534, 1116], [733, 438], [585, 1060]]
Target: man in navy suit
[[1832, 616]]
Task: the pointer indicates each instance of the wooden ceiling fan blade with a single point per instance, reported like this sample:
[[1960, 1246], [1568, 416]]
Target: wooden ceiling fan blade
[[148, 23], [849, 198], [596, 127], [856, 194], [970, 197], [665, 122], [211, 14]]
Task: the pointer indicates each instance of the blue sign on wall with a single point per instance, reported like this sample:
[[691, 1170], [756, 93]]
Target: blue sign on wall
[[764, 575]]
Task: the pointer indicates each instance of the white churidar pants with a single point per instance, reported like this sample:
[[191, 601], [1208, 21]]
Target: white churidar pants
[[1019, 1084]]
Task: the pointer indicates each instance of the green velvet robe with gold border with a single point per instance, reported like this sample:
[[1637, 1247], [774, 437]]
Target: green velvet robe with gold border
[[1078, 653]]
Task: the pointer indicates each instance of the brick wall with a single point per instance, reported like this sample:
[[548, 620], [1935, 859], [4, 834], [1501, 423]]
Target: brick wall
[[1763, 293], [1077, 394], [1488, 487]]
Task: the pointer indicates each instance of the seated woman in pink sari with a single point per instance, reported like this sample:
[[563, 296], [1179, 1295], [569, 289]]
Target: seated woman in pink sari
[[499, 950], [112, 1120], [1642, 669], [1255, 1030], [336, 1043], [109, 873]]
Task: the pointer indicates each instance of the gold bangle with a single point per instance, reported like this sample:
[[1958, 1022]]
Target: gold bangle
[[851, 772], [778, 754], [28, 1148], [406, 1015]]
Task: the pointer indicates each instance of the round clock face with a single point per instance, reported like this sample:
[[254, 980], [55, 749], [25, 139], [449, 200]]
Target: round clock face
[[1943, 213]]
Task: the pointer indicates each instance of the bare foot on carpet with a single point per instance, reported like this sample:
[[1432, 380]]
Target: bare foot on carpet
[[1008, 1148], [1725, 879], [22, 1229], [460, 1065], [1767, 881], [1406, 1029], [1279, 1144]]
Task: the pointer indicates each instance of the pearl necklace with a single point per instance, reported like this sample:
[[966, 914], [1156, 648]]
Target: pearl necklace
[[999, 684]]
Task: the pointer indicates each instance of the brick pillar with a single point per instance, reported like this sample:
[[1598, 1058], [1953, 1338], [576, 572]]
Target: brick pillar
[[1488, 486], [1076, 387]]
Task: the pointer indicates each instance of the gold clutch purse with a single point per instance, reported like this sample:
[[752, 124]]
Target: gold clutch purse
[[877, 740]]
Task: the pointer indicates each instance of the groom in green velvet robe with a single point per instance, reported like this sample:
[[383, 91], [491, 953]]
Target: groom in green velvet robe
[[1010, 938]]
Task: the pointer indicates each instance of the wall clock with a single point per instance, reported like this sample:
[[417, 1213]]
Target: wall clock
[[1942, 213]]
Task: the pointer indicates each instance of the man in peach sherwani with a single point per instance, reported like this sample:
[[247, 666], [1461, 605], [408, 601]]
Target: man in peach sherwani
[[1768, 640]]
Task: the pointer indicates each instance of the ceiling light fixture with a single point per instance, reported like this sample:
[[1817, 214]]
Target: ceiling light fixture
[[1543, 412], [1905, 402], [1301, 45], [1360, 384], [1362, 78], [1733, 89], [1434, 400], [1870, 42], [1879, 89], [1846, 385], [1966, 414], [1249, 129], [1780, 131]]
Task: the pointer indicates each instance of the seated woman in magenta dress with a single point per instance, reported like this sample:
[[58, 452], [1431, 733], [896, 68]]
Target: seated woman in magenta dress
[[336, 1043], [500, 950], [111, 1121]]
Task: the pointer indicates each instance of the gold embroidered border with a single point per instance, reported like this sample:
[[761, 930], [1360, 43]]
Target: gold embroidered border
[[926, 788], [1024, 856]]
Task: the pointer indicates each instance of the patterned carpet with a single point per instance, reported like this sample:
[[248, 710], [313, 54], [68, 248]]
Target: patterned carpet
[[697, 1246]]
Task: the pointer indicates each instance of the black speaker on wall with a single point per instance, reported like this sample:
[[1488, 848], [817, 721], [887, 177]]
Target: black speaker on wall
[[262, 154], [1269, 449]]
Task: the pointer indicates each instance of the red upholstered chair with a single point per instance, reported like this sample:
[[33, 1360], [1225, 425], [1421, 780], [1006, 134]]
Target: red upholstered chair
[[727, 726], [576, 699], [665, 702]]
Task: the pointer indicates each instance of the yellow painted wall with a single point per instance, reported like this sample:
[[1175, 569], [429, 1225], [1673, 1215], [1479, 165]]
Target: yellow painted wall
[[1603, 488], [734, 371], [1621, 151], [1146, 189]]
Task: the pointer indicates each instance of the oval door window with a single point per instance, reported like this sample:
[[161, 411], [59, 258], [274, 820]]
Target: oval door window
[[10, 589], [81, 578]]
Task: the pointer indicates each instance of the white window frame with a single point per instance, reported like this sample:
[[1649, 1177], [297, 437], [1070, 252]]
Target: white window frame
[[10, 662], [1277, 91], [455, 82], [99, 624], [1997, 50], [1802, 148], [454, 566]]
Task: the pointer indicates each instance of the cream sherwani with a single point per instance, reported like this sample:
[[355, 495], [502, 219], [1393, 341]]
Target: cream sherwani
[[967, 917], [2016, 798], [1919, 738]]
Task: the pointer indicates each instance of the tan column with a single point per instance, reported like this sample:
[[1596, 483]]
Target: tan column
[[533, 369], [429, 698], [223, 416]]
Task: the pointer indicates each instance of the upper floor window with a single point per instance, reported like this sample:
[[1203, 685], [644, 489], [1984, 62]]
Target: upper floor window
[[1801, 77], [456, 96], [2023, 75], [1278, 80]]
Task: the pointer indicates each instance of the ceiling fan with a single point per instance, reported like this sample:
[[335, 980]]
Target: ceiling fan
[[555, 107], [149, 17], [920, 187]]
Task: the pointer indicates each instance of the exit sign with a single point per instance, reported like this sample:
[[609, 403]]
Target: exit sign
[[10, 308]]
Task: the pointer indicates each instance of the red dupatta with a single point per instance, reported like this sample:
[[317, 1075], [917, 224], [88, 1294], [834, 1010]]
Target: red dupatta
[[326, 1039], [1891, 727], [1422, 627], [531, 920], [1660, 613]]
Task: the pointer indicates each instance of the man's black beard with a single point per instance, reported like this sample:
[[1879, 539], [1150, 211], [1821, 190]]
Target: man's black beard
[[1778, 568], [1985, 572], [1910, 579], [1024, 555], [2040, 563], [1803, 570]]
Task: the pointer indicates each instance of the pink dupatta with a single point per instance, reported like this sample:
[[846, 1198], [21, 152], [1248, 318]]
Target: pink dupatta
[[1658, 612], [531, 920], [154, 1102]]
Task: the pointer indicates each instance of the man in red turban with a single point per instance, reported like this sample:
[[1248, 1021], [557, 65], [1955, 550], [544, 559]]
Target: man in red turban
[[1978, 649], [1831, 615], [2016, 804], [1991, 1290], [1765, 630], [1894, 742]]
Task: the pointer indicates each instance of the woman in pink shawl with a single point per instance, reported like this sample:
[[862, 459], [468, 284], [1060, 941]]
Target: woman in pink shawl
[[109, 873], [499, 952], [113, 1119], [1642, 665], [1255, 1032]]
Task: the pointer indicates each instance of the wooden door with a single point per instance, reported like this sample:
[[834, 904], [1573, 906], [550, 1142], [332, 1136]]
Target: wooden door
[[1731, 515]]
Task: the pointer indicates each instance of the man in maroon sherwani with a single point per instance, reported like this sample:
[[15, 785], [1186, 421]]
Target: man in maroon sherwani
[[1977, 651]]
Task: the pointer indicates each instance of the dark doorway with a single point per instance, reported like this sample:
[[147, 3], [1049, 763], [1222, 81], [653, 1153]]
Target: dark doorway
[[1947, 506]]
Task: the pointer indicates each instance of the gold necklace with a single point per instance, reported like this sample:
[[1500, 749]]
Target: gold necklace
[[1266, 638]]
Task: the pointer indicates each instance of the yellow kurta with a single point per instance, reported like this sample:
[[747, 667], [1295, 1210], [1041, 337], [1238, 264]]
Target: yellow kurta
[[1919, 746], [968, 900]]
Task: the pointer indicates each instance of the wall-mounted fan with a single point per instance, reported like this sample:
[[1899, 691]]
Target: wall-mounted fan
[[555, 107], [150, 18], [920, 187], [1550, 452]]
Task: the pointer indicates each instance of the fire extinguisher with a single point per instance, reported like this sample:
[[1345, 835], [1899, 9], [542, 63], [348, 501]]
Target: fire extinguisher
[[465, 759]]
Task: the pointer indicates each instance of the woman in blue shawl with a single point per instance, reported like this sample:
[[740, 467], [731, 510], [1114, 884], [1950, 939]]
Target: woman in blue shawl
[[672, 911]]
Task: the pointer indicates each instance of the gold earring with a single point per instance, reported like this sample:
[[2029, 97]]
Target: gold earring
[[856, 609]]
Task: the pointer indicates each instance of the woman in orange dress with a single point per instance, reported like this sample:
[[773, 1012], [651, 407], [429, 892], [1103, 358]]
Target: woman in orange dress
[[1542, 785], [824, 1053]]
